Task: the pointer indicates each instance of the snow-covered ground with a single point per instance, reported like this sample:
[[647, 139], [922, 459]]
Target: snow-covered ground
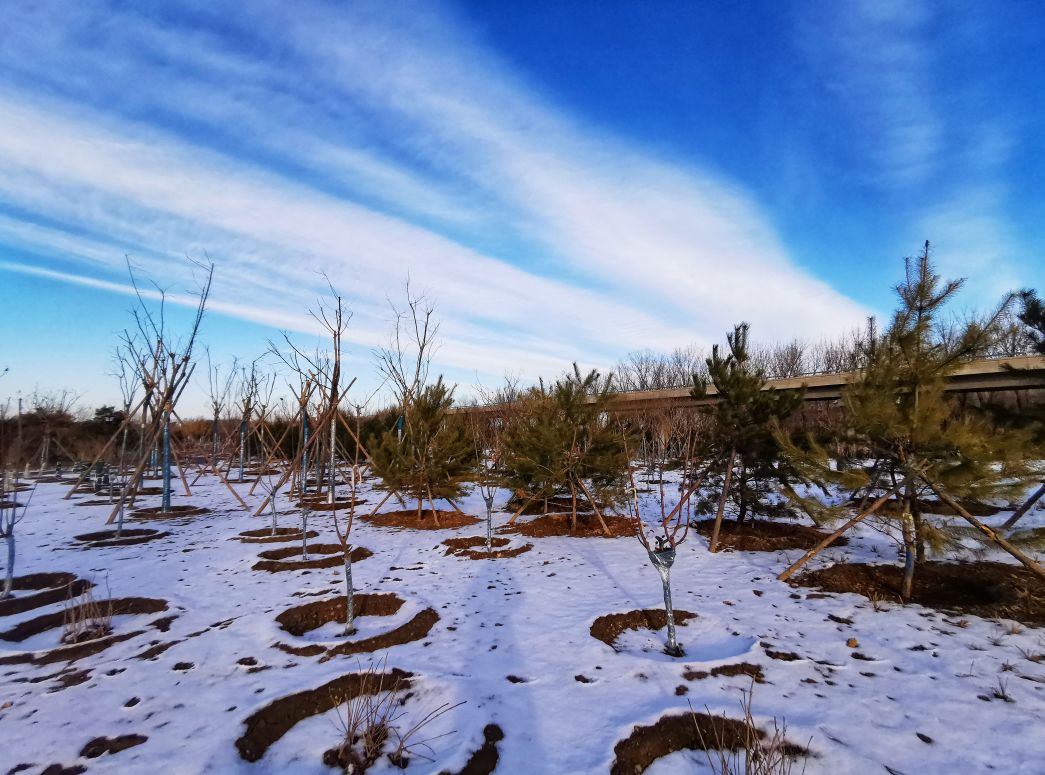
[[527, 617]]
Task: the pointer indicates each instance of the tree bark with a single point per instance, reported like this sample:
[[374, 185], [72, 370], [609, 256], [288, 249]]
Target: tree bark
[[713, 544]]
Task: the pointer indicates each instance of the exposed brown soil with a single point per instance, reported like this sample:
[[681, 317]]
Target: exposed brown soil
[[273, 559], [609, 627], [148, 491], [128, 537], [407, 519], [269, 724], [96, 502], [762, 535], [111, 745], [56, 588], [474, 548], [695, 731], [894, 507], [264, 535], [559, 525], [741, 668], [305, 618], [69, 653], [174, 512], [320, 504], [987, 589], [119, 606], [484, 760], [552, 505], [415, 629]]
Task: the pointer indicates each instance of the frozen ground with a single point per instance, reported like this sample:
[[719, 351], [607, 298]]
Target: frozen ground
[[527, 617]]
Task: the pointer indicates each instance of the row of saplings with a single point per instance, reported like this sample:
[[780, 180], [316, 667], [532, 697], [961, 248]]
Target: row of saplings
[[563, 452]]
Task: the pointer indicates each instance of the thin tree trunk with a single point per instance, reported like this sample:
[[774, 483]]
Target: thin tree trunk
[[304, 534], [910, 552], [10, 575], [713, 544], [349, 600], [663, 561], [595, 507]]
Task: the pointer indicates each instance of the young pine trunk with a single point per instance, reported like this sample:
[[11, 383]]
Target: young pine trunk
[[910, 549], [489, 521]]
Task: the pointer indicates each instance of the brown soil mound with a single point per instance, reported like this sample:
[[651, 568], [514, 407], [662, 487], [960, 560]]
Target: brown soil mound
[[415, 629], [322, 505], [484, 760], [122, 605], [149, 491], [273, 559], [695, 731], [408, 519], [111, 745], [559, 525], [550, 506], [128, 537], [305, 618], [269, 724], [264, 536], [69, 653], [56, 588], [935, 506], [474, 548], [609, 627], [761, 535], [987, 589], [174, 512], [96, 502], [741, 668]]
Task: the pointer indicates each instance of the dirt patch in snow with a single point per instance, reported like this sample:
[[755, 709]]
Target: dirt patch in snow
[[407, 519], [415, 629], [474, 548], [111, 745], [69, 653], [695, 731], [987, 589], [174, 512], [935, 506], [761, 535], [118, 606], [609, 627], [484, 760], [275, 560], [128, 537], [320, 504], [559, 525], [305, 618], [269, 724], [265, 536], [56, 587], [741, 668], [549, 506]]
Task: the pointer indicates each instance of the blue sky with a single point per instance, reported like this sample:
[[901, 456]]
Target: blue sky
[[568, 181]]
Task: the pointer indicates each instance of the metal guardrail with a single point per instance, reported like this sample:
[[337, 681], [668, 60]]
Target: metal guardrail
[[1025, 372]]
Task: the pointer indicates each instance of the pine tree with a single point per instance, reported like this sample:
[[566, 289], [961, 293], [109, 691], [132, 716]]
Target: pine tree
[[434, 454], [560, 441], [913, 433], [744, 453]]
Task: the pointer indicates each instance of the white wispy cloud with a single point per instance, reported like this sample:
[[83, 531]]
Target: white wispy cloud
[[372, 142]]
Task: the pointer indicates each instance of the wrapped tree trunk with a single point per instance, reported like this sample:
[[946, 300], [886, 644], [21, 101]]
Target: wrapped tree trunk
[[663, 560]]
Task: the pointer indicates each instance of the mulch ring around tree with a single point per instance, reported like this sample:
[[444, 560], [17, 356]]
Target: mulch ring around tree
[[688, 730], [266, 726], [117, 606], [305, 618], [609, 627], [289, 558], [320, 504], [174, 512], [265, 535], [559, 525], [987, 589], [127, 537], [761, 535], [544, 506], [55, 587], [415, 628], [408, 519], [474, 548]]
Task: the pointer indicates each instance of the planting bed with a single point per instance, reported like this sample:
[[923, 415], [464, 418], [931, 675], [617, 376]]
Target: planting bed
[[408, 519], [475, 548], [762, 535], [289, 558]]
